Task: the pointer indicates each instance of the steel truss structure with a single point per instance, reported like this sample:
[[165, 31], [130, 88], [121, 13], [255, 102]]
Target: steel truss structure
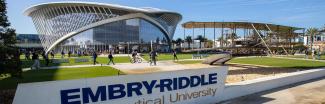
[[57, 21], [259, 36]]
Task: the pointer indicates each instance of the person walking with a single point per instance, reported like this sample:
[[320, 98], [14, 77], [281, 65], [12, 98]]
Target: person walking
[[319, 54], [111, 58], [27, 55], [46, 58], [153, 56], [306, 54], [52, 54], [36, 64], [314, 54], [95, 57], [134, 56], [175, 55], [62, 54], [69, 54]]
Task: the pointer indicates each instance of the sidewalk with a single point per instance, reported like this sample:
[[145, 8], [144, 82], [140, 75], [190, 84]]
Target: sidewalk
[[282, 57], [136, 68], [299, 59], [73, 66], [140, 68]]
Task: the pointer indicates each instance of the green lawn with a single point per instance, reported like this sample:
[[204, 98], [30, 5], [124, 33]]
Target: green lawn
[[278, 62], [57, 74], [189, 62], [101, 60], [168, 56]]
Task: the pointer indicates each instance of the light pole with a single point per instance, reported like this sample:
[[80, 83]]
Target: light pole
[[150, 45], [128, 47]]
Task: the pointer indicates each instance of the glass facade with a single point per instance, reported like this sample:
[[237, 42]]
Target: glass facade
[[28, 38], [121, 36], [28, 41]]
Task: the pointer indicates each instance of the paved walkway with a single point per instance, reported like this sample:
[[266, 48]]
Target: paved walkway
[[282, 58], [308, 92], [72, 66], [139, 68]]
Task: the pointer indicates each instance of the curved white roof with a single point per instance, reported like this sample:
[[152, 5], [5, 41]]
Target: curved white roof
[[57, 21], [29, 10]]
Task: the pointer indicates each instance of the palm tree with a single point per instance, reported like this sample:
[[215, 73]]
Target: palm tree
[[173, 43], [201, 39], [232, 36], [179, 41], [312, 32], [189, 40], [221, 40]]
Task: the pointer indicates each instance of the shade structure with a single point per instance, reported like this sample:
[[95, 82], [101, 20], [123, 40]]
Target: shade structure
[[247, 25]]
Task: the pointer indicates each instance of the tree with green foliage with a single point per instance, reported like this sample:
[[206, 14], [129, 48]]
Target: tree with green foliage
[[201, 39], [312, 33], [179, 41], [209, 44], [221, 41], [9, 53], [232, 37], [189, 40]]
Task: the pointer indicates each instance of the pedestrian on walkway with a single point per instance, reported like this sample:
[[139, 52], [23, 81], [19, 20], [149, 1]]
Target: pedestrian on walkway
[[46, 58], [35, 58], [319, 54], [134, 56], [52, 54], [175, 55], [95, 57], [314, 54], [306, 54], [69, 54], [111, 58], [27, 55], [62, 54], [153, 56]]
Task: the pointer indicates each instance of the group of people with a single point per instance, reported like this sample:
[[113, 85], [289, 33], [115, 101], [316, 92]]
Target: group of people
[[152, 57], [110, 58], [36, 65], [62, 54], [135, 57], [314, 53]]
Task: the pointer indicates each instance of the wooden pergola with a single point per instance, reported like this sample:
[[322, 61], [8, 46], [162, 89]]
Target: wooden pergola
[[264, 31]]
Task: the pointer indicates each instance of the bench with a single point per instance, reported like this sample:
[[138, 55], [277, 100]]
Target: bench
[[196, 56], [78, 60], [199, 56], [204, 55], [57, 61]]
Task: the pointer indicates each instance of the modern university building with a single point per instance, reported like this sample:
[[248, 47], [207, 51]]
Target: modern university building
[[86, 26]]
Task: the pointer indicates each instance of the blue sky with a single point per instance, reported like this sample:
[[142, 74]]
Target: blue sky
[[300, 13]]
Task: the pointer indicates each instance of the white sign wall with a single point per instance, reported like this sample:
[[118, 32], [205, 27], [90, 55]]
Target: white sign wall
[[180, 87]]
